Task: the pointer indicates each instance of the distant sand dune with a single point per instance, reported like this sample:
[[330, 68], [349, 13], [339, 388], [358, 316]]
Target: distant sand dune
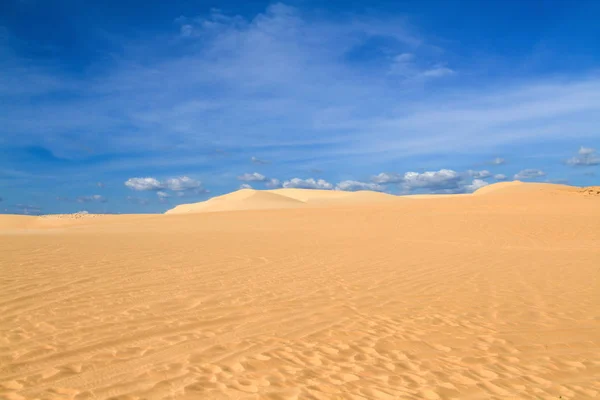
[[250, 199], [294, 294]]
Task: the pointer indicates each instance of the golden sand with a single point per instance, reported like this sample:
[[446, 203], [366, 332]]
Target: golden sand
[[294, 294]]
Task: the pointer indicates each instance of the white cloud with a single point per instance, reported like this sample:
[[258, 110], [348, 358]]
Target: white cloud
[[273, 183], [93, 198], [309, 183], [100, 185], [500, 177], [479, 174], [586, 151], [245, 186], [385, 178], [444, 179], [476, 184], [162, 195], [179, 184], [142, 184], [498, 161], [586, 157], [253, 177], [352, 186], [529, 174]]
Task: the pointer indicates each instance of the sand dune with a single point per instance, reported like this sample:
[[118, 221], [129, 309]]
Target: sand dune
[[245, 199], [298, 296], [250, 199]]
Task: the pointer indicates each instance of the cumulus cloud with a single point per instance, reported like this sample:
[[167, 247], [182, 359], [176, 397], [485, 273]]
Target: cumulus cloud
[[586, 156], [309, 183], [142, 184], [476, 184], [498, 161], [385, 178], [179, 184], [529, 174], [253, 177], [93, 198], [352, 186], [479, 174], [273, 183], [182, 183], [245, 186], [444, 179], [500, 177]]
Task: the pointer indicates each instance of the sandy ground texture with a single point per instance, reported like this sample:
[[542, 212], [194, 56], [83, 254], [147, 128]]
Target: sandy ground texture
[[297, 295]]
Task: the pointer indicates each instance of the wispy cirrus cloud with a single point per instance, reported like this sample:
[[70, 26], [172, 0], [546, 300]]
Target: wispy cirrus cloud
[[225, 72]]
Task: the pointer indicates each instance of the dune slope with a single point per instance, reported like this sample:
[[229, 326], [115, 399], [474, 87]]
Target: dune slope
[[468, 297]]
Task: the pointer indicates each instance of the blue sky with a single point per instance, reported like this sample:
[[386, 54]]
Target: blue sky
[[115, 106]]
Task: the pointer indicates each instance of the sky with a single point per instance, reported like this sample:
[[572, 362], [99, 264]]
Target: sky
[[138, 106]]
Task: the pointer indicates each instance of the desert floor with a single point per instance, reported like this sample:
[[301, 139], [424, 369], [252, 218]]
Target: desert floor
[[494, 295]]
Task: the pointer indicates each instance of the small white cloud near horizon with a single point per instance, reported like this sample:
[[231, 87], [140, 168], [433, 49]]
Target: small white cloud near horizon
[[182, 184], [273, 183], [143, 184], [586, 156], [352, 186], [245, 186], [479, 174], [309, 183], [476, 184], [500, 177], [444, 179], [385, 178], [498, 161], [529, 174], [252, 177]]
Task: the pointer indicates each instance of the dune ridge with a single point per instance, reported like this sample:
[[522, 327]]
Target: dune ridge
[[485, 296], [247, 199]]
